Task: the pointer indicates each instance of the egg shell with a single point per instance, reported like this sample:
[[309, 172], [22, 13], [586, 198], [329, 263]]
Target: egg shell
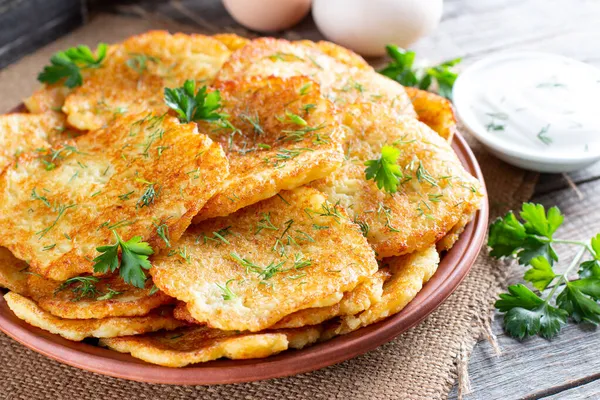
[[267, 15], [367, 26]]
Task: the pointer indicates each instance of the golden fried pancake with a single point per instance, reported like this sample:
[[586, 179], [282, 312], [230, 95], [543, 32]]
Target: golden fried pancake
[[77, 330], [99, 298], [450, 239], [145, 175], [20, 133], [362, 297], [12, 272], [249, 270], [135, 72], [434, 110], [409, 273], [338, 52], [344, 81], [435, 190], [231, 40], [47, 98], [201, 344], [181, 313], [280, 135]]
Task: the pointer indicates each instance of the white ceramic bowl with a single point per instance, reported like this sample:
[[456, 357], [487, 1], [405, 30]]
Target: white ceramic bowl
[[533, 158]]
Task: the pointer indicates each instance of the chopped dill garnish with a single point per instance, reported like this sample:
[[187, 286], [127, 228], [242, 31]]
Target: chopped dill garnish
[[265, 223], [228, 294], [109, 295], [125, 196], [543, 137], [148, 197], [423, 175], [81, 286]]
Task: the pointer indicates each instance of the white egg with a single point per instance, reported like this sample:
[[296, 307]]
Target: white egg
[[366, 26], [267, 15]]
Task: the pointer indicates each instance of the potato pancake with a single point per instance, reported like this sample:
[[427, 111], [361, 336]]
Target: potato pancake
[[92, 297], [409, 274], [47, 98], [281, 134], [231, 40], [361, 298], [435, 190], [201, 344], [12, 272], [435, 111], [78, 329], [145, 175], [450, 239], [20, 133], [353, 302], [250, 269], [344, 81], [135, 72]]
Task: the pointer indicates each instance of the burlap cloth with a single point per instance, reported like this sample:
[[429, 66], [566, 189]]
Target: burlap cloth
[[423, 363]]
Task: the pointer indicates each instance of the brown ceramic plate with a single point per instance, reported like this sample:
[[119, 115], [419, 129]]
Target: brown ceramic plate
[[453, 268]]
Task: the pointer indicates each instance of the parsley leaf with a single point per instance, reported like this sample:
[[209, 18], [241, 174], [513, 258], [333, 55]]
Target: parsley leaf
[[527, 314], [68, 65], [541, 273], [402, 70], [579, 306], [192, 105], [385, 171], [508, 236], [538, 222], [134, 259]]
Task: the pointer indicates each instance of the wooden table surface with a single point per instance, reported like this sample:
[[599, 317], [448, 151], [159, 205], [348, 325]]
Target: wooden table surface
[[568, 367]]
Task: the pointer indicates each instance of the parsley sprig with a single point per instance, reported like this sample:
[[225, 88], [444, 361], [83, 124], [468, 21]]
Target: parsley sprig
[[385, 171], [133, 261], [531, 241], [192, 105], [68, 65], [402, 70]]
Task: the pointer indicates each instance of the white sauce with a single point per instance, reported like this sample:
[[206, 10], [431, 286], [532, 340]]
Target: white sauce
[[535, 102]]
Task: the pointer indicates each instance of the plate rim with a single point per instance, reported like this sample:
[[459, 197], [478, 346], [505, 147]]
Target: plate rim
[[455, 266]]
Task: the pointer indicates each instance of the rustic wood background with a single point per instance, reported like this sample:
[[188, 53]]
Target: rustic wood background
[[567, 367]]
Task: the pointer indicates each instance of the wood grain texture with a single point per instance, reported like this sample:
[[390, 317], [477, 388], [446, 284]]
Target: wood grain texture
[[26, 25], [536, 367], [586, 391]]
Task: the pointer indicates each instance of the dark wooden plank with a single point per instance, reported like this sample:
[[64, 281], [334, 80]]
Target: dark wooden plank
[[589, 390], [552, 182], [26, 25]]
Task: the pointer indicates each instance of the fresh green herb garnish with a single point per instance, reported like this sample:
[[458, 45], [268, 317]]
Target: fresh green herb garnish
[[192, 105], [227, 292], [81, 286], [162, 231], [385, 171], [133, 262], [402, 70], [148, 197], [109, 295], [543, 137], [540, 312], [139, 62], [68, 65]]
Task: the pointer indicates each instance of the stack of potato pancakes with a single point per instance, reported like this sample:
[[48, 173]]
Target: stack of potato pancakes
[[240, 234]]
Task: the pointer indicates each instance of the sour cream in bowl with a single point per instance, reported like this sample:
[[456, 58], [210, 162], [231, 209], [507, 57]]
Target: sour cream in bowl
[[534, 110]]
